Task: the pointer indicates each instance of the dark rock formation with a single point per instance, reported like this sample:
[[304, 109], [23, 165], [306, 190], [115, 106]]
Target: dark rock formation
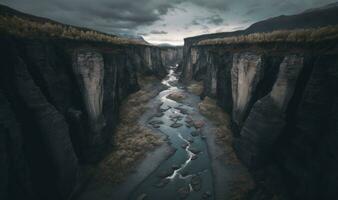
[[59, 107], [15, 177], [171, 55], [267, 116], [313, 18], [195, 65], [283, 103], [282, 98], [246, 72]]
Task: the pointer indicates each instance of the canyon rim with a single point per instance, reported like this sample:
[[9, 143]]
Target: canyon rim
[[105, 101]]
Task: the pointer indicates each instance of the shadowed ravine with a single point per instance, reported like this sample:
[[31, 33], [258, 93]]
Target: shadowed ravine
[[187, 172], [245, 115]]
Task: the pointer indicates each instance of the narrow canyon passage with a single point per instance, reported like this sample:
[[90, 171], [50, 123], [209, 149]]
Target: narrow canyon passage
[[159, 102], [195, 159], [193, 162], [187, 172]]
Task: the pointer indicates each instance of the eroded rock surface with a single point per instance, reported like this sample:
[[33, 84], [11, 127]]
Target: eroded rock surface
[[266, 119], [88, 67], [283, 103], [246, 72], [53, 130], [60, 106]]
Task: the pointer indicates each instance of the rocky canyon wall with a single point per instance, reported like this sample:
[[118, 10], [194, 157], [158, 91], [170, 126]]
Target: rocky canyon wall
[[283, 102], [59, 106], [172, 55]]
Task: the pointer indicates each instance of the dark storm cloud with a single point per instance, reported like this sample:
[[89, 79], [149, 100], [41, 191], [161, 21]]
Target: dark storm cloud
[[205, 21], [222, 5], [158, 32], [194, 23], [215, 19], [117, 13], [133, 13], [143, 34], [144, 16], [106, 15]]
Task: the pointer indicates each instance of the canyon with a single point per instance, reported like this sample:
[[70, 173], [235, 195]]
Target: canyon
[[282, 102], [59, 106], [282, 99], [274, 102]]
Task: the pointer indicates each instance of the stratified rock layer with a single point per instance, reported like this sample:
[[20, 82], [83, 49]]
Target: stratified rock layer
[[171, 56], [283, 104], [246, 72], [59, 107]]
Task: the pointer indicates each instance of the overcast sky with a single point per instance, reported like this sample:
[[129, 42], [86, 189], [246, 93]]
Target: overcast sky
[[162, 21]]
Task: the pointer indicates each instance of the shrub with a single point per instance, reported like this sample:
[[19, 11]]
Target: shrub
[[23, 27], [297, 36]]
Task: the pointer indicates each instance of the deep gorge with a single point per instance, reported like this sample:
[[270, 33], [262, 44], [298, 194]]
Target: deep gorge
[[282, 105], [59, 106], [249, 114]]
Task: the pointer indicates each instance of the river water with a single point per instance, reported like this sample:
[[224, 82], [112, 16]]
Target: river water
[[186, 173]]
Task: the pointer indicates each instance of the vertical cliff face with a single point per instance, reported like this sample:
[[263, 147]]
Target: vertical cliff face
[[246, 72], [59, 107], [190, 59], [309, 139], [267, 117], [283, 101], [211, 73], [171, 56], [88, 67], [52, 129], [13, 161], [194, 65]]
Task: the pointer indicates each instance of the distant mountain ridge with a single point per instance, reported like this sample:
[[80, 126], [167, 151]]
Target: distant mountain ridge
[[312, 18], [331, 5]]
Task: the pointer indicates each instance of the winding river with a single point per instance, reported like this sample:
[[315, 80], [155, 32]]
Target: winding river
[[186, 173]]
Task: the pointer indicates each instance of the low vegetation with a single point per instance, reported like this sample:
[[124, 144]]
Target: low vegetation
[[195, 87], [27, 28], [221, 120], [296, 36], [242, 184], [176, 96], [131, 140]]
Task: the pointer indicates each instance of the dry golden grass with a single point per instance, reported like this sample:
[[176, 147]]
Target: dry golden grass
[[242, 184], [209, 108], [176, 96], [33, 29], [132, 143], [296, 36], [196, 88], [221, 120], [146, 81], [131, 140]]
